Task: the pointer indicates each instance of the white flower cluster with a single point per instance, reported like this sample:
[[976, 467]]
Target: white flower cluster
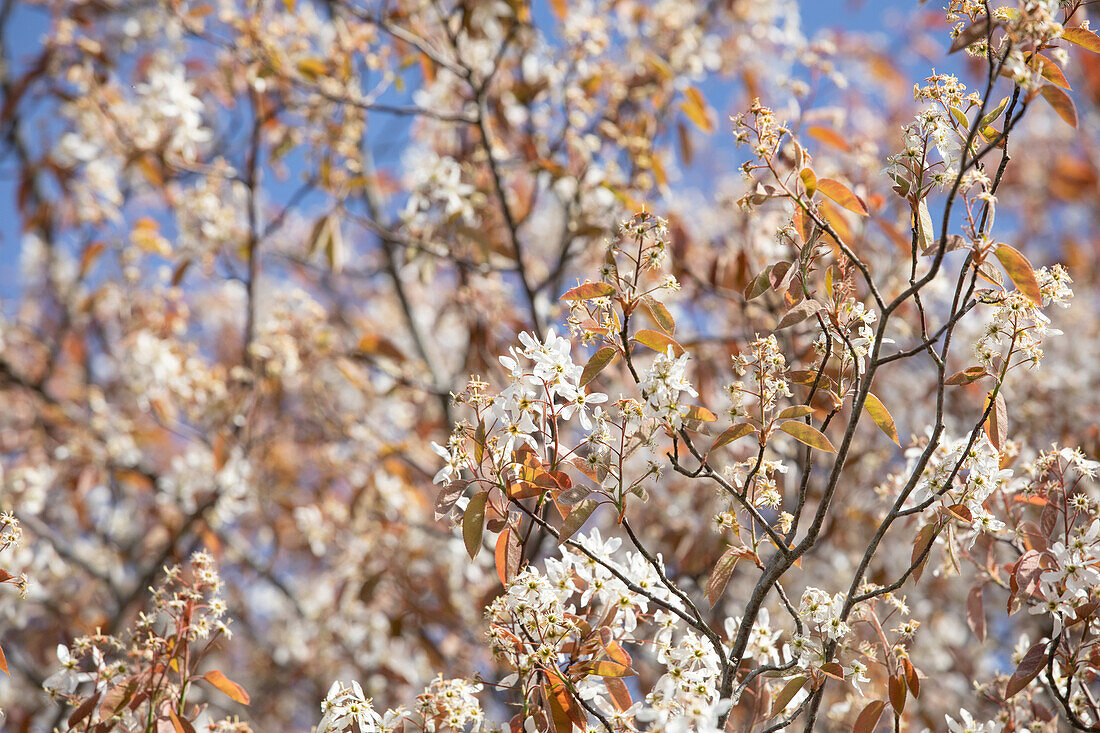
[[346, 706], [768, 382], [978, 475], [1019, 321], [967, 724], [544, 618], [437, 191], [662, 383], [1070, 584]]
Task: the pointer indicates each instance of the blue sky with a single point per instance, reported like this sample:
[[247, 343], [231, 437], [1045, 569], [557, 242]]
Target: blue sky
[[28, 24]]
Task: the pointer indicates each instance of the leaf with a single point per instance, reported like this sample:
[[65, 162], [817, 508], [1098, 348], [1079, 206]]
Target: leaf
[[721, 573], [840, 193], [578, 515], [660, 313], [1020, 272], [878, 412], [912, 679], [564, 708], [966, 376], [507, 555], [922, 221], [996, 425], [658, 341], [4, 663], [975, 613], [783, 699], [978, 30], [896, 688], [620, 695], [798, 313], [1061, 103], [1082, 37], [560, 8], [731, 434], [868, 718], [231, 689], [1052, 73], [809, 180], [795, 411], [702, 414], [473, 523], [312, 67], [178, 724], [806, 434], [597, 363], [829, 137], [588, 291], [695, 107], [922, 549], [1028, 669], [448, 495]]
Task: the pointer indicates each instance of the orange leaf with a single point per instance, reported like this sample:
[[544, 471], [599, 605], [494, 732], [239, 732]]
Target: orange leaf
[[588, 291], [695, 107], [731, 434], [658, 341], [1061, 103], [234, 691], [840, 193], [829, 137], [1020, 272], [1082, 37]]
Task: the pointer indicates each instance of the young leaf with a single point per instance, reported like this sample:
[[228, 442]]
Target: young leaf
[[1020, 272], [588, 291], [840, 193], [658, 341], [695, 107], [878, 412], [578, 515], [1052, 73], [507, 555], [448, 495], [731, 434], [922, 547], [473, 523], [597, 363], [720, 575], [809, 180], [4, 662], [975, 613], [798, 313], [780, 701], [660, 313], [1082, 37], [974, 32], [809, 435], [896, 689], [232, 690], [829, 137], [1028, 669], [795, 411], [926, 235], [996, 425], [868, 718], [1061, 103]]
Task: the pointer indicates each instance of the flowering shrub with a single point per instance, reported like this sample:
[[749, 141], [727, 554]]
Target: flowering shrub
[[467, 358]]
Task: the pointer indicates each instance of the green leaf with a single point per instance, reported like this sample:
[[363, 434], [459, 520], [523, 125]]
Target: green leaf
[[878, 412], [473, 523], [1020, 272], [597, 363], [840, 193], [811, 436], [578, 515]]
